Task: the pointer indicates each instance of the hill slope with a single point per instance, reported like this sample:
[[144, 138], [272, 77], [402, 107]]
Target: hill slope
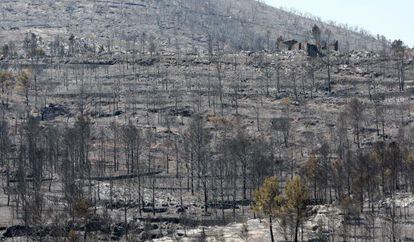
[[170, 25]]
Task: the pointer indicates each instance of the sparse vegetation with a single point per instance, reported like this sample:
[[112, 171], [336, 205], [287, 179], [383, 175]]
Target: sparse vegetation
[[140, 120]]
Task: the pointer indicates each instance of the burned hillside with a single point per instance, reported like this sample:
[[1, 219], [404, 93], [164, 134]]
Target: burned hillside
[[144, 120]]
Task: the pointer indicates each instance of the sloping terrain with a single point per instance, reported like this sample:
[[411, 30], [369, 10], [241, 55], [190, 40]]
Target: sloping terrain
[[187, 25], [141, 120]]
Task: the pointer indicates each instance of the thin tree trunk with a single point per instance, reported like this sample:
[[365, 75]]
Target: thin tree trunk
[[271, 229]]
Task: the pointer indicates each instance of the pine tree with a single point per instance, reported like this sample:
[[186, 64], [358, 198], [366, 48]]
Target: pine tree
[[295, 198], [269, 200]]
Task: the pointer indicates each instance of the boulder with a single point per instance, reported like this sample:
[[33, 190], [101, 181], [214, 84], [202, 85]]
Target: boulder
[[52, 111]]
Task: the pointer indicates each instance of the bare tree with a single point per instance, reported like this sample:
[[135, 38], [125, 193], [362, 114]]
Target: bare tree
[[355, 111]]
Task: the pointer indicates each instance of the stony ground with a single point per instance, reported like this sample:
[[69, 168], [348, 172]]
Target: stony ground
[[162, 91], [143, 98]]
